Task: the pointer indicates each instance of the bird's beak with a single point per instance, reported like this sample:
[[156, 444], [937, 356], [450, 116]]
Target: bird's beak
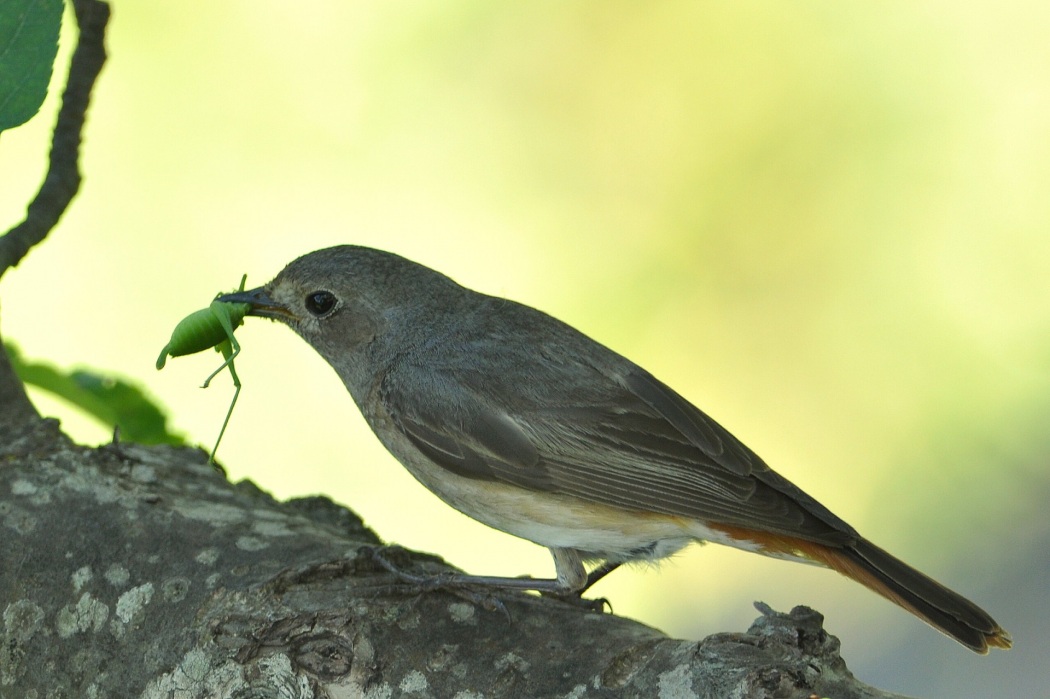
[[259, 304]]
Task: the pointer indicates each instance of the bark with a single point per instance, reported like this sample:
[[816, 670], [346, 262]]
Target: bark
[[131, 571], [16, 411]]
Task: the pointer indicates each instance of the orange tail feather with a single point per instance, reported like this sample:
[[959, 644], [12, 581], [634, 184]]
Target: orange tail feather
[[941, 608], [862, 561]]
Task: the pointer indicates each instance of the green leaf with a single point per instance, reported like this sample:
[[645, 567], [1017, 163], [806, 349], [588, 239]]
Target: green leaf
[[28, 44], [112, 401]]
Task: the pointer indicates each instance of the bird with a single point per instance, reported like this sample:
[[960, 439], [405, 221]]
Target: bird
[[526, 424]]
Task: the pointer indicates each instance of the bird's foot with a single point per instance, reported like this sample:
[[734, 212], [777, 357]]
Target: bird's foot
[[576, 599], [451, 582]]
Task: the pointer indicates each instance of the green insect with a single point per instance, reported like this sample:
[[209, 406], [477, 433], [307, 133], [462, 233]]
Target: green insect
[[210, 327]]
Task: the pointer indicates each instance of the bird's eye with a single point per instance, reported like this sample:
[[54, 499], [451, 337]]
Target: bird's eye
[[320, 302]]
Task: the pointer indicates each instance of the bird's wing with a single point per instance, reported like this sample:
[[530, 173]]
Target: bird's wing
[[639, 447]]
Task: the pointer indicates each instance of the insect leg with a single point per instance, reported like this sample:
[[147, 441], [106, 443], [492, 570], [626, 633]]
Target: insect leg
[[223, 315], [229, 352]]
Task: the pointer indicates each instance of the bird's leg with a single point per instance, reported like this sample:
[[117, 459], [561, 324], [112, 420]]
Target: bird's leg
[[571, 581], [598, 573], [452, 582], [444, 580], [575, 580]]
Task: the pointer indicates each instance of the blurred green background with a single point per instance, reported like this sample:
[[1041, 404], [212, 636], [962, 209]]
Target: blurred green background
[[826, 223]]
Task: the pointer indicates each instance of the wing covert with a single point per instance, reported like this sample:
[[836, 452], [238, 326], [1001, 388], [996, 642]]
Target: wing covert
[[638, 446]]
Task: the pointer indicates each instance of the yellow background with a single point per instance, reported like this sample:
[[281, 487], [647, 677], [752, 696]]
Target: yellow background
[[825, 223]]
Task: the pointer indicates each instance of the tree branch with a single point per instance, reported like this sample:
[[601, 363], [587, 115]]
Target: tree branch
[[63, 176], [16, 410], [58, 189], [138, 571]]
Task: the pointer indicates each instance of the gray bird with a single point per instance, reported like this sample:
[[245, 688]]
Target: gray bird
[[529, 426]]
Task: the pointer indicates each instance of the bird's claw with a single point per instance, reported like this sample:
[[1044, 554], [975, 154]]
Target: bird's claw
[[420, 584]]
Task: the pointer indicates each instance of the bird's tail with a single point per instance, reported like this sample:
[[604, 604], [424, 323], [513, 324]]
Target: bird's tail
[[863, 561], [943, 609]]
